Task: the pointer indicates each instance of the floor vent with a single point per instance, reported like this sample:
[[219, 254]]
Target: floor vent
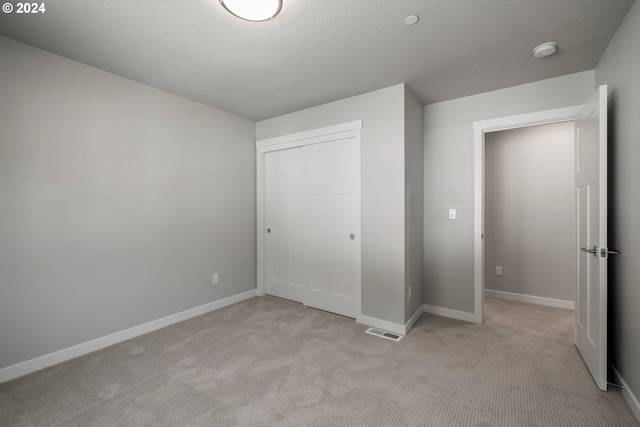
[[384, 334]]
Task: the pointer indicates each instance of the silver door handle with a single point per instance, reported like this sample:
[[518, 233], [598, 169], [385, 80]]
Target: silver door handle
[[352, 236], [602, 251]]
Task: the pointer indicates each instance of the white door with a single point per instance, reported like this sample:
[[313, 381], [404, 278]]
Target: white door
[[285, 233], [591, 197], [313, 224], [332, 195]]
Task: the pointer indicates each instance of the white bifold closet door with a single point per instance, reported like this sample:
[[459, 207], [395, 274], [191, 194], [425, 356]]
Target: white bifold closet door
[[313, 225]]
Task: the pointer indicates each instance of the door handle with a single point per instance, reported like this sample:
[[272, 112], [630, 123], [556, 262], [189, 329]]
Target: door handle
[[603, 251]]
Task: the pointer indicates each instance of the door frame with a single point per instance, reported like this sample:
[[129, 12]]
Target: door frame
[[481, 128], [349, 130]]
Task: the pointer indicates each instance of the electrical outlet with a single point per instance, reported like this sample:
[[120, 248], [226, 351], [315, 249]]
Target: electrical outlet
[[498, 271], [452, 213], [216, 280], [409, 292]]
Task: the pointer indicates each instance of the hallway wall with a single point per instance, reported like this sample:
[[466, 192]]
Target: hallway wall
[[530, 224]]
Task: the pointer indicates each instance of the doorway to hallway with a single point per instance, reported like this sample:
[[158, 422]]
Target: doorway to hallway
[[530, 221]]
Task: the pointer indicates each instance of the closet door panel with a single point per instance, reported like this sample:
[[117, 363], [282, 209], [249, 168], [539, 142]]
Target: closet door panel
[[332, 186], [285, 223]]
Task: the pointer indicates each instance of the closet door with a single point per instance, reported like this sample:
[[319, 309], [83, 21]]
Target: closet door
[[332, 224], [284, 219], [312, 219]]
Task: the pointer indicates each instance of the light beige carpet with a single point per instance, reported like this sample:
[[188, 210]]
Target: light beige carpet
[[268, 361]]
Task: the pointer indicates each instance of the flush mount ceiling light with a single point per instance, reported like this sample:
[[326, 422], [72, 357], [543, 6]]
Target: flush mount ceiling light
[[253, 10], [545, 49]]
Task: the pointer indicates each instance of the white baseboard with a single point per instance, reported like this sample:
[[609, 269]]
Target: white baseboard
[[412, 321], [396, 328], [628, 394], [51, 359], [447, 312], [530, 299]]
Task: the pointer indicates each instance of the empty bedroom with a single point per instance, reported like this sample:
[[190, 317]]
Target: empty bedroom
[[285, 212]]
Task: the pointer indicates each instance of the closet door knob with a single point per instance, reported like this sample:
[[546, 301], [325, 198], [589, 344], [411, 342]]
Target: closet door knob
[[352, 236]]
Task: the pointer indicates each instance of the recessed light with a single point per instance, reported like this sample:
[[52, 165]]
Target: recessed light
[[545, 49], [411, 19]]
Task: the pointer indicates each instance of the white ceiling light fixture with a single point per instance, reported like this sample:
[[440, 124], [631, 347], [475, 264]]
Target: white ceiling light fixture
[[545, 49], [253, 10]]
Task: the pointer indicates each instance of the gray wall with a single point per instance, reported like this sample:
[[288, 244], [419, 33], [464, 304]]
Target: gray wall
[[530, 222], [413, 153], [119, 201], [449, 172], [383, 193], [620, 69]]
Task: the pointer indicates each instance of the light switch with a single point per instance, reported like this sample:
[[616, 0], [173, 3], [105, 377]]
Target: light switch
[[452, 214]]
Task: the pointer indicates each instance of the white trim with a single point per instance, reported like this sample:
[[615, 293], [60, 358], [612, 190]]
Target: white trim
[[478, 224], [531, 299], [412, 321], [261, 270], [396, 328], [347, 130], [480, 129], [627, 393], [314, 133], [530, 119], [358, 278], [33, 365], [447, 312]]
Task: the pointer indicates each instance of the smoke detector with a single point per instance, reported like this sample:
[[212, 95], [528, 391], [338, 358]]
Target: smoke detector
[[411, 20], [545, 49]]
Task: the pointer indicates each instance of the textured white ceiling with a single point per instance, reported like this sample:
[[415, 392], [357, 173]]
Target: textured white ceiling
[[318, 51]]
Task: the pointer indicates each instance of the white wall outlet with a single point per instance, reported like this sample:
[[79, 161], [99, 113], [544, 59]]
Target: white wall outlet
[[216, 280], [498, 270], [409, 292], [452, 214]]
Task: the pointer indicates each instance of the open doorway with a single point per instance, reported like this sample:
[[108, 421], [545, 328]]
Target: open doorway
[[482, 129], [529, 215], [590, 333]]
